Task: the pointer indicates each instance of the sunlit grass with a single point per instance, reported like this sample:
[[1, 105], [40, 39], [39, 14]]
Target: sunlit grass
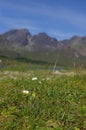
[[42, 101]]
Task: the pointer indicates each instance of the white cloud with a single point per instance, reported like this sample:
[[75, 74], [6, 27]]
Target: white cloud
[[17, 23], [64, 13], [33, 8], [59, 34], [73, 17]]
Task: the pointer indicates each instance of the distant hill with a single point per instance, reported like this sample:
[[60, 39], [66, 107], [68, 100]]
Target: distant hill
[[20, 43]]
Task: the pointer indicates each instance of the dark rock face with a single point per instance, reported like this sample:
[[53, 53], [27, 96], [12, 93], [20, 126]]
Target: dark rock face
[[18, 37], [22, 38], [83, 40], [69, 42], [43, 42], [18, 43]]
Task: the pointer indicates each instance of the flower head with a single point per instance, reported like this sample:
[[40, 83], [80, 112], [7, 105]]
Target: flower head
[[34, 78], [25, 91]]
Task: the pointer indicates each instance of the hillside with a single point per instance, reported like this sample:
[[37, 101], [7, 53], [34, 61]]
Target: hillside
[[20, 43]]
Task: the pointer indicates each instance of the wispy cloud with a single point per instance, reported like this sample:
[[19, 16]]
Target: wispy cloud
[[32, 8], [60, 13], [17, 23], [73, 17], [59, 34]]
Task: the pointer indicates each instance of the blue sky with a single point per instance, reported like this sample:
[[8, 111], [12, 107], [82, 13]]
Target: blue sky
[[58, 18]]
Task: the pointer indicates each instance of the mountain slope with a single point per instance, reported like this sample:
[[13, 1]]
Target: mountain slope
[[22, 38], [18, 37], [20, 43]]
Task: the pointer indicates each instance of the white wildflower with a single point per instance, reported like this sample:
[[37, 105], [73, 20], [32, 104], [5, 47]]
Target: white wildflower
[[34, 78], [25, 91]]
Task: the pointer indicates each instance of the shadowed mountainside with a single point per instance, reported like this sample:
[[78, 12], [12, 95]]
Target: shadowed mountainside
[[20, 43]]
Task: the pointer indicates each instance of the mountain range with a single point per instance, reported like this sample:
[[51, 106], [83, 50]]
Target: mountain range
[[21, 43]]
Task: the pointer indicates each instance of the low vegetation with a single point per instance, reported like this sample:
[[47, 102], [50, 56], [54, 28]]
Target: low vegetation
[[42, 100]]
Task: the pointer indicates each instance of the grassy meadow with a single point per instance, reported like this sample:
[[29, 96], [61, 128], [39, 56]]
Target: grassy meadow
[[32, 97]]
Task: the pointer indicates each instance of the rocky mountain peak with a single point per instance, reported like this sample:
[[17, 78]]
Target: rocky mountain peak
[[18, 36]]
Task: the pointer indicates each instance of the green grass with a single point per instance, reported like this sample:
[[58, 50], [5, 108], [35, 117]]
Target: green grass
[[53, 102], [21, 64]]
